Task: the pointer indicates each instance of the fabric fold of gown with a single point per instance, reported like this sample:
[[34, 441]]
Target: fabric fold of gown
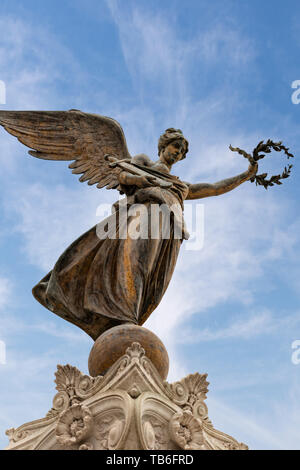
[[98, 283]]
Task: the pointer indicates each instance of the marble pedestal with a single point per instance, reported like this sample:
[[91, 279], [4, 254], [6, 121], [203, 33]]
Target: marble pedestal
[[130, 407]]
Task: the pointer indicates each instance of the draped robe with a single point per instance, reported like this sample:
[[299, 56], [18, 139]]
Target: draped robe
[[98, 283]]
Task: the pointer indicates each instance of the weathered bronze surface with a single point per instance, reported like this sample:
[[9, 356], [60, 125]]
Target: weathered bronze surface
[[99, 283], [110, 346]]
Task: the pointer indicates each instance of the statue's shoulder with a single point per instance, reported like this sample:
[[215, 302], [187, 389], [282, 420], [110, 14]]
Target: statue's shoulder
[[142, 159]]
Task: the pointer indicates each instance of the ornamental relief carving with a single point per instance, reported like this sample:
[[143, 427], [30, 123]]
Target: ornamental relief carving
[[109, 430], [129, 407], [156, 434], [74, 425], [187, 431]]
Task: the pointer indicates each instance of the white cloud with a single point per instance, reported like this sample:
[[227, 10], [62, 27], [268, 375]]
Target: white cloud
[[237, 250], [29, 388], [227, 43], [246, 429], [151, 44], [12, 326], [28, 60], [262, 323], [157, 57], [51, 218]]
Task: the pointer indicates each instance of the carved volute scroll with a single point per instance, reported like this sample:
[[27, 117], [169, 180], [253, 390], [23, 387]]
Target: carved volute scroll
[[131, 407]]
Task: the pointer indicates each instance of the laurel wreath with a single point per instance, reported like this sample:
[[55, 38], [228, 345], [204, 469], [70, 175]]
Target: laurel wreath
[[257, 155]]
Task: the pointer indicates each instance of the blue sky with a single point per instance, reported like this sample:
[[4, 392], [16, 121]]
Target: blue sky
[[222, 72]]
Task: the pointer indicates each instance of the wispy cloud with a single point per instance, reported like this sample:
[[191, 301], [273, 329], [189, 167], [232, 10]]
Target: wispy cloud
[[50, 218], [240, 425], [262, 323], [234, 255], [226, 42], [162, 64], [29, 56]]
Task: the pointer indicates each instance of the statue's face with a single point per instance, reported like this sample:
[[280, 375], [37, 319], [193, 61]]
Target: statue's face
[[174, 151]]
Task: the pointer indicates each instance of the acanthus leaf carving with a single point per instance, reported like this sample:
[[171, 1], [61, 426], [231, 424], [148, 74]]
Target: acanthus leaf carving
[[189, 391], [73, 387], [135, 351]]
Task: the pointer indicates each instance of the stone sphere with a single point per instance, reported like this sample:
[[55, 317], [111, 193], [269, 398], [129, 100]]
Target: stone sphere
[[112, 345]]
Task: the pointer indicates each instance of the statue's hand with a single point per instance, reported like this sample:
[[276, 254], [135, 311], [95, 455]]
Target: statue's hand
[[145, 181], [252, 169]]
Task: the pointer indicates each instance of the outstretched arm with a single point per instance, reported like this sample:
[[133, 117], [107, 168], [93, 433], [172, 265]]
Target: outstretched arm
[[201, 190]]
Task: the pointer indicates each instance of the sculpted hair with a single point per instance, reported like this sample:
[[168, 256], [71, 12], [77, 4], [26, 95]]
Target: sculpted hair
[[168, 137]]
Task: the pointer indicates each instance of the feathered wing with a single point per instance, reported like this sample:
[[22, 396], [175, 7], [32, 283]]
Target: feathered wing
[[71, 135]]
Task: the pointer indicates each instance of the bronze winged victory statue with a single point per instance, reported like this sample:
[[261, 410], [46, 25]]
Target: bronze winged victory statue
[[98, 283]]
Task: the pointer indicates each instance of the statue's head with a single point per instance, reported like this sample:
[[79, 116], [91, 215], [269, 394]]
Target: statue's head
[[173, 140]]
